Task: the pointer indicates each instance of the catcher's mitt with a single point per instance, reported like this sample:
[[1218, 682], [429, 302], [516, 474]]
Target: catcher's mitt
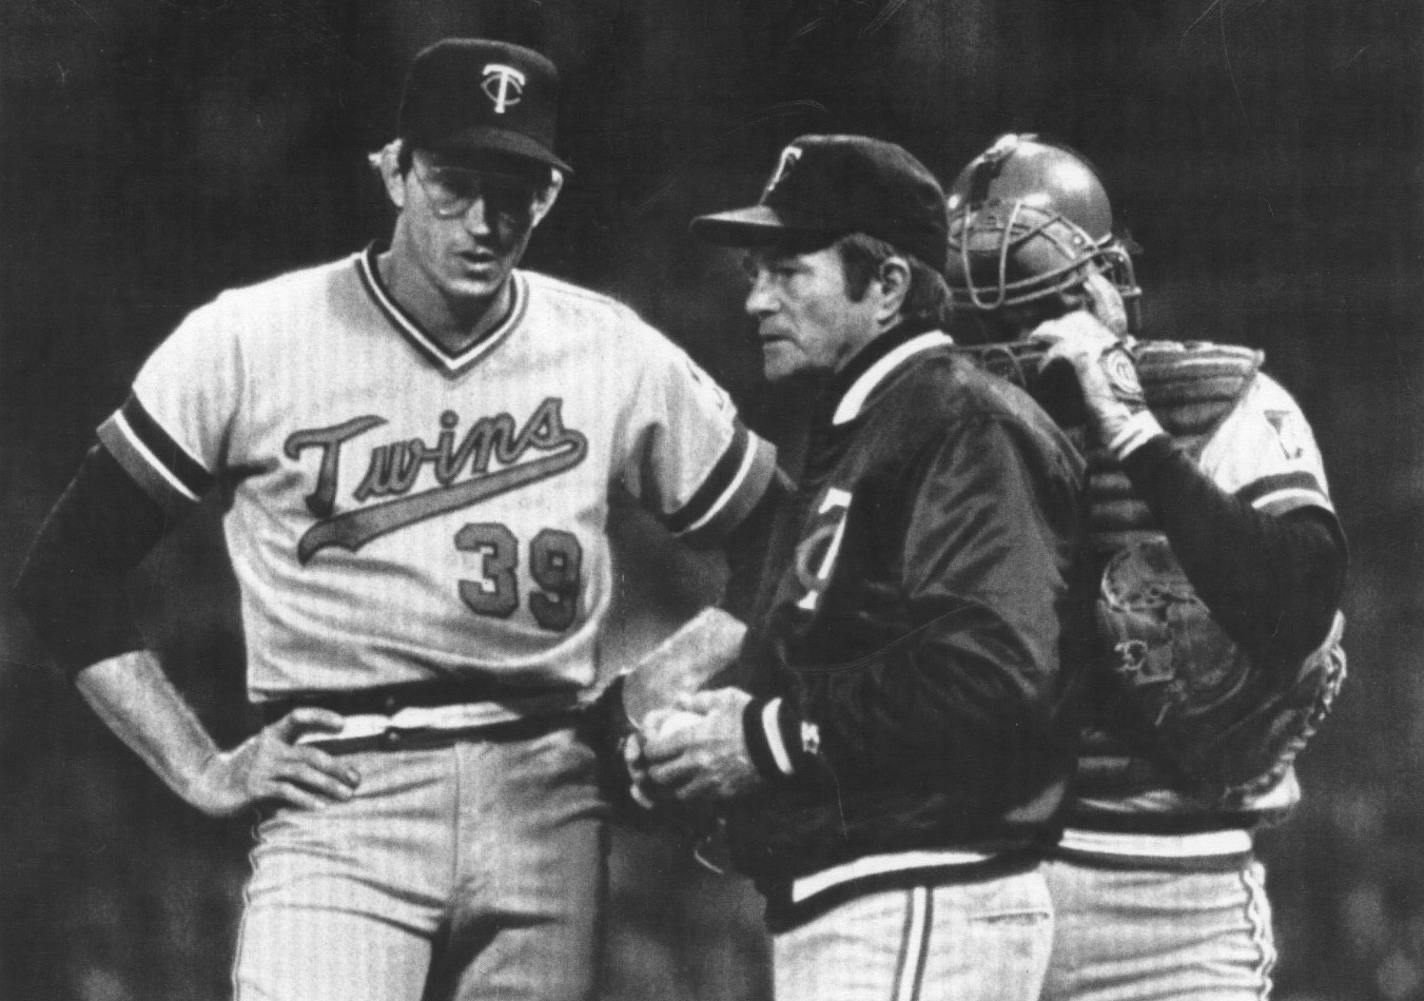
[[1230, 725]]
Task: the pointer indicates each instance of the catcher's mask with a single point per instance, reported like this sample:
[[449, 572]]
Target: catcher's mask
[[1029, 221]]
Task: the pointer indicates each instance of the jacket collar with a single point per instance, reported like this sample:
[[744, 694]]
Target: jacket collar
[[850, 390]]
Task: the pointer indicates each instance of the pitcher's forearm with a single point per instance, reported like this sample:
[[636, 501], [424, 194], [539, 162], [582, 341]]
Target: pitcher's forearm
[[133, 696]]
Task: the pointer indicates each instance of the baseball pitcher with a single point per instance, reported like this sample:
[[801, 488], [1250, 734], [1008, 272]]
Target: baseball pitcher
[[416, 446]]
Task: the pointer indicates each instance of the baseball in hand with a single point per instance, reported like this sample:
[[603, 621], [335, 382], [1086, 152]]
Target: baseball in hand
[[664, 723]]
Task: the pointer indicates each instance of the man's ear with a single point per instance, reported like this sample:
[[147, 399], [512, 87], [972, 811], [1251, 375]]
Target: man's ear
[[386, 162], [545, 199], [893, 284]]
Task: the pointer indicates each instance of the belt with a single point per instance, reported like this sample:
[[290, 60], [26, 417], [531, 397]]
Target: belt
[[430, 738], [1231, 841], [1162, 823], [387, 700]]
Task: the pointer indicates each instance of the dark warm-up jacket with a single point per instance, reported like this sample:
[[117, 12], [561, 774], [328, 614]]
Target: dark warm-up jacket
[[906, 648]]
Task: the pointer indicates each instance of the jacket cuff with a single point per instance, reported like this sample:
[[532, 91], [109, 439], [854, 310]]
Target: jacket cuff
[[777, 740]]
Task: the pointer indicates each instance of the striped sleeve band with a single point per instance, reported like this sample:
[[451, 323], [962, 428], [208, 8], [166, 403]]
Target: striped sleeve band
[[157, 463], [773, 737], [729, 493], [1285, 492]]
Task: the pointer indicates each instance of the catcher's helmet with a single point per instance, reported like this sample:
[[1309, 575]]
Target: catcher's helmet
[[1027, 220]]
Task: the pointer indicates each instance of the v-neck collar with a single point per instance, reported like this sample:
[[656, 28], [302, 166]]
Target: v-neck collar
[[451, 363]]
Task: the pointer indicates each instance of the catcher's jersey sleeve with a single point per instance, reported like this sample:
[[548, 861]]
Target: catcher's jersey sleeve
[[396, 514], [1265, 453]]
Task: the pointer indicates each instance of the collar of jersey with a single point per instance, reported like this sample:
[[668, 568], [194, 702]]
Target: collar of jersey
[[874, 364], [450, 363]]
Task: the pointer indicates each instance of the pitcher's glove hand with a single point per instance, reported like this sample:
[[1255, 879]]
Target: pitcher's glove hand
[[683, 663], [623, 769]]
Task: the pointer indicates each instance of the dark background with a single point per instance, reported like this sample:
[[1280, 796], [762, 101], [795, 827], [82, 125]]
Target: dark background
[[1265, 154]]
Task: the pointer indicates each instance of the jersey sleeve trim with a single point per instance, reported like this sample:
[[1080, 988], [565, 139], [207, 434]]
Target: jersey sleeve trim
[[730, 491], [1285, 492], [157, 463]]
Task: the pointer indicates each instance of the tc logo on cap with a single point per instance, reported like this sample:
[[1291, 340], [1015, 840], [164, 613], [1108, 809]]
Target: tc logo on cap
[[789, 157], [504, 85]]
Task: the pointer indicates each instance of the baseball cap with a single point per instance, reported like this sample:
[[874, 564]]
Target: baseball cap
[[472, 95], [831, 185]]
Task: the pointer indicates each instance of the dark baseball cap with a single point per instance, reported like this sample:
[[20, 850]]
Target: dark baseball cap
[[475, 95], [828, 186]]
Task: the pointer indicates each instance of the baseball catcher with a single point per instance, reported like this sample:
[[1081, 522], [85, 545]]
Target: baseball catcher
[[1220, 564]]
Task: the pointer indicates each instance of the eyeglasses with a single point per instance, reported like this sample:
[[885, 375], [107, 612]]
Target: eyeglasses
[[452, 190]]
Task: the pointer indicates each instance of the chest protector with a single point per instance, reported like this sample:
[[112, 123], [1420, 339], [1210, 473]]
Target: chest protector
[[1174, 699]]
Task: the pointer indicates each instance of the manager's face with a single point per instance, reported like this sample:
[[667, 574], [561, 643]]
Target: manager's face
[[807, 320]]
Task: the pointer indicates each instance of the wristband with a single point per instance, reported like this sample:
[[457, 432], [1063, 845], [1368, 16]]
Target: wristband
[[777, 741], [761, 729], [1139, 429]]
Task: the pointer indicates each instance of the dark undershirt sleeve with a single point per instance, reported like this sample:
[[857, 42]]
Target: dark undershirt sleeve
[[72, 585], [1273, 582]]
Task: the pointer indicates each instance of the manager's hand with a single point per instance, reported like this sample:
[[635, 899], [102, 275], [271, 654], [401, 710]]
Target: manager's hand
[[697, 753]]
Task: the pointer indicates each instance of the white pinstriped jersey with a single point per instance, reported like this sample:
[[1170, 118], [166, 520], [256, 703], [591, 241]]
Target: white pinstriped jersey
[[401, 514]]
